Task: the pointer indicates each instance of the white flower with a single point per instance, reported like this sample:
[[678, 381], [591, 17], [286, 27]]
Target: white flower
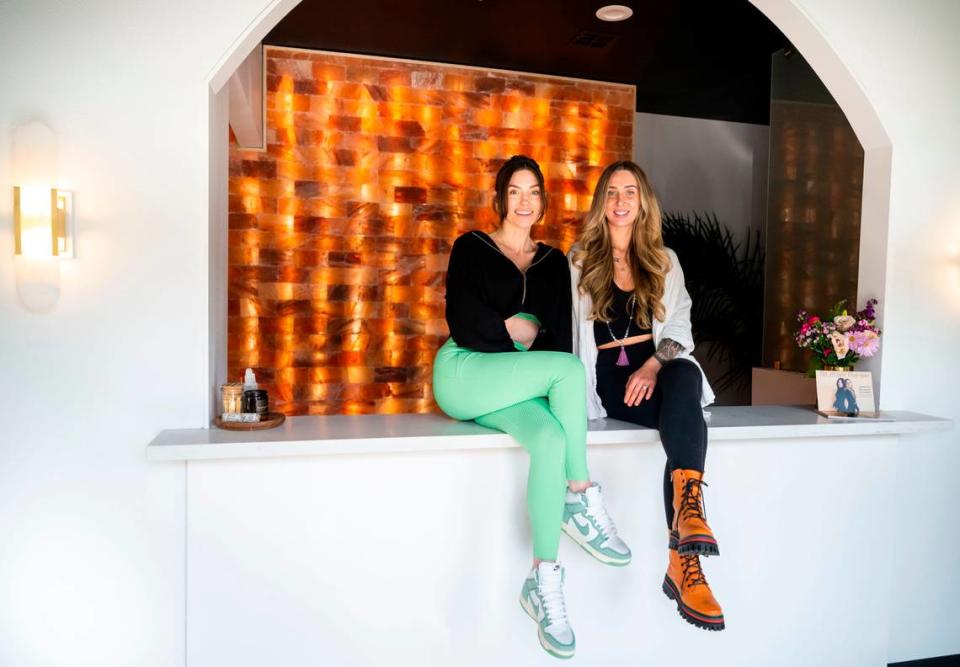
[[844, 322], [840, 344]]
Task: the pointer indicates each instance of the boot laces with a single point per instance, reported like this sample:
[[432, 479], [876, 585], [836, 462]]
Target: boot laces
[[691, 503], [550, 588], [692, 571]]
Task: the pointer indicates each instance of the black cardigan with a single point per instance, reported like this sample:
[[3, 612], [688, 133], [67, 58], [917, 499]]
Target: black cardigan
[[484, 288]]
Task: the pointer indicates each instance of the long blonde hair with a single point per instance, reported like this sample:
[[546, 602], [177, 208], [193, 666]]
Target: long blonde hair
[[649, 261]]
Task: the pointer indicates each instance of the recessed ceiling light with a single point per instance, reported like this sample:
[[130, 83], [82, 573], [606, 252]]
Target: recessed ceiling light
[[614, 13]]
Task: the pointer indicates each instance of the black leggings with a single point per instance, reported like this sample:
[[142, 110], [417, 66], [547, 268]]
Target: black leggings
[[674, 409]]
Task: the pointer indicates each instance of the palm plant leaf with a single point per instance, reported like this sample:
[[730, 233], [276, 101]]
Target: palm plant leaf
[[725, 282]]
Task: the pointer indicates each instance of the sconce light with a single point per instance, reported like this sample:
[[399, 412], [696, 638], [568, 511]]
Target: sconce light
[[42, 222], [42, 217]]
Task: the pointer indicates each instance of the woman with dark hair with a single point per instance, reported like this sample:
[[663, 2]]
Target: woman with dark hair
[[508, 366], [632, 332]]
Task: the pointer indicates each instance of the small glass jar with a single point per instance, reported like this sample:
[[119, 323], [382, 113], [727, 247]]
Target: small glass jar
[[231, 395]]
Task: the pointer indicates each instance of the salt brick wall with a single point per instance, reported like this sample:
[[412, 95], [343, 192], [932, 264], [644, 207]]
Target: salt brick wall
[[341, 230], [816, 186]]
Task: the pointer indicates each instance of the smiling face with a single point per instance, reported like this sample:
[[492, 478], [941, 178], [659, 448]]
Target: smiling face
[[524, 200], [622, 199]]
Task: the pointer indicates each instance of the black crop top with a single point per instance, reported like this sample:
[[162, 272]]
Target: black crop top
[[484, 288], [619, 324]]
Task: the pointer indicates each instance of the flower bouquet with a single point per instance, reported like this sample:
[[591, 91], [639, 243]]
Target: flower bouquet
[[841, 340]]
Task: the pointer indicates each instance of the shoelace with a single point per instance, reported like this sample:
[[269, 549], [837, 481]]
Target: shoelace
[[600, 517], [692, 571], [692, 504], [550, 588]]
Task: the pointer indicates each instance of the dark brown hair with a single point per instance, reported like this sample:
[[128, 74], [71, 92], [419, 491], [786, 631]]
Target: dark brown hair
[[509, 168]]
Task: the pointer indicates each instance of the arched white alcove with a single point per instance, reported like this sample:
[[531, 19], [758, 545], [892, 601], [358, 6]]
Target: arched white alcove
[[785, 14], [877, 152]]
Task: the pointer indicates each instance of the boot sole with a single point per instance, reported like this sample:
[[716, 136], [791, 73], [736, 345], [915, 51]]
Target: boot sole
[[575, 535], [702, 545], [691, 616], [547, 646]]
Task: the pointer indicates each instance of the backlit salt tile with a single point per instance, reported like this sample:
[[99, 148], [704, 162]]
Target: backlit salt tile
[[345, 123], [409, 195], [328, 72], [426, 79], [487, 84], [394, 144], [400, 76], [409, 128]]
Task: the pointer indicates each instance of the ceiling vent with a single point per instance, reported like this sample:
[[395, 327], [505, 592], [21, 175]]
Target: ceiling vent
[[593, 40]]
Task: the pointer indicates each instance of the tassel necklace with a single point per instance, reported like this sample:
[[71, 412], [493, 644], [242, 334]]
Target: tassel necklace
[[622, 358]]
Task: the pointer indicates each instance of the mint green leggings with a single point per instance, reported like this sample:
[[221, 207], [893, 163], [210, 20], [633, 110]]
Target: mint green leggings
[[540, 399]]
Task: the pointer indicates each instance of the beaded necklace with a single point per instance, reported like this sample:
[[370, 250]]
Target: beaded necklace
[[622, 358]]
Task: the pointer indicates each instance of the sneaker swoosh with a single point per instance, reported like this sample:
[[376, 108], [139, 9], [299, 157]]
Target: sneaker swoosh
[[585, 528], [537, 607]]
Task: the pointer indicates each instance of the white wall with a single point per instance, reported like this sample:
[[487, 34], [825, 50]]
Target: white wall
[[93, 537], [911, 84], [700, 165]]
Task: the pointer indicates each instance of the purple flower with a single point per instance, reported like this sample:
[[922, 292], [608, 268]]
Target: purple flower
[[868, 312]]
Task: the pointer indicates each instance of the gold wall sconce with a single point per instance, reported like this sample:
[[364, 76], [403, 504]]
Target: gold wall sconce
[[42, 217]]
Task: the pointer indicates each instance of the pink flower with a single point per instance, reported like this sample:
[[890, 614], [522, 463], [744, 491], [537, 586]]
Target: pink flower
[[864, 343]]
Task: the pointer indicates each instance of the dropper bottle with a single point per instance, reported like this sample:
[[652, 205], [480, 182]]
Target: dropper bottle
[[249, 380]]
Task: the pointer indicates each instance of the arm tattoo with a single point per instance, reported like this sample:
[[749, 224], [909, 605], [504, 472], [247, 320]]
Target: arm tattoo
[[668, 349]]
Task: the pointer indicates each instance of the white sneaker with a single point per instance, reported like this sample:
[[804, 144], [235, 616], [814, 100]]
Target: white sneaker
[[586, 521], [542, 598]]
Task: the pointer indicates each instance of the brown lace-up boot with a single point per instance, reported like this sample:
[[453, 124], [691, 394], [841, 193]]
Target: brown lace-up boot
[[689, 515], [685, 584]]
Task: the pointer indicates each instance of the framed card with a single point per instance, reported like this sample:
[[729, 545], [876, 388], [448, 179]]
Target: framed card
[[846, 395]]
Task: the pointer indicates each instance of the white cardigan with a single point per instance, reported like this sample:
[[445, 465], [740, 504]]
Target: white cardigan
[[675, 325]]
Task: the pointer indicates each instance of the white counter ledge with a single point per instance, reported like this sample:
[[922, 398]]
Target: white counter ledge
[[376, 434]]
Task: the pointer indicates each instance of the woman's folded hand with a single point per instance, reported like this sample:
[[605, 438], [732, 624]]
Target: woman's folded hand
[[522, 331]]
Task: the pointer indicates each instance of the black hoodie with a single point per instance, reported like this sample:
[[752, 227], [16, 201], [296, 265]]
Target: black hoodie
[[484, 287]]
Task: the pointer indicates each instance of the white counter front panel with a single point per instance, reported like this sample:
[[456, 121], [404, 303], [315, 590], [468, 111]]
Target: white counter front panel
[[417, 558]]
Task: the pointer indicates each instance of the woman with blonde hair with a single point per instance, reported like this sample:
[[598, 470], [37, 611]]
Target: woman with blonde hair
[[632, 331]]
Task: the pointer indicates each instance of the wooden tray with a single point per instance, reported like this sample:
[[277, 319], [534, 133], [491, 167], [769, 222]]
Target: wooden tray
[[273, 419]]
